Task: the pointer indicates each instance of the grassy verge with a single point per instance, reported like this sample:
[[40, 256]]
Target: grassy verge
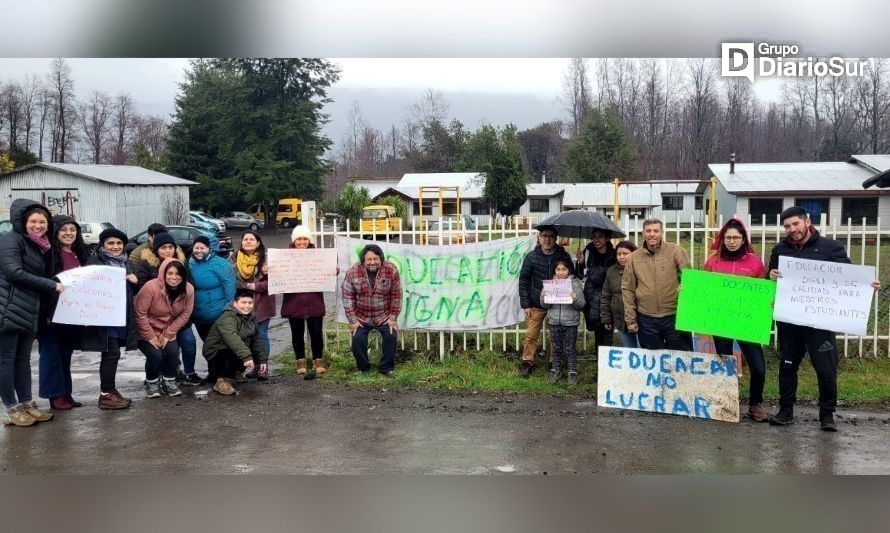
[[863, 382]]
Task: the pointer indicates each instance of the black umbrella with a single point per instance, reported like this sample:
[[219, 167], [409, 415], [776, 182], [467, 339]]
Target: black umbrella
[[580, 224]]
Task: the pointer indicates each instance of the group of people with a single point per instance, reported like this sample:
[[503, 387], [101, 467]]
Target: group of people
[[619, 289], [634, 292], [227, 302]]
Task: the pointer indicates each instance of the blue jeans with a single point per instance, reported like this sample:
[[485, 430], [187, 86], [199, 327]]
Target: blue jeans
[[187, 343], [55, 363], [660, 333], [263, 328], [360, 347], [15, 367], [628, 340]]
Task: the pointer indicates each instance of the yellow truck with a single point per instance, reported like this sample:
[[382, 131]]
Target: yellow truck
[[379, 220], [290, 212]]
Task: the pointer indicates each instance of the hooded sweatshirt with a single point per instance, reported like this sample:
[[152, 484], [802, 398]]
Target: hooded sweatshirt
[[156, 316], [748, 265]]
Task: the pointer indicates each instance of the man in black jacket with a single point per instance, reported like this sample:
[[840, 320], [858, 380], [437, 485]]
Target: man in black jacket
[[803, 241], [537, 266]]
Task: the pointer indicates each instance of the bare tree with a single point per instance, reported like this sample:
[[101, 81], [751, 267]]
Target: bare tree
[[94, 118], [12, 109], [45, 110], [701, 121], [872, 106], [151, 134], [576, 92], [31, 96], [62, 89], [123, 121]]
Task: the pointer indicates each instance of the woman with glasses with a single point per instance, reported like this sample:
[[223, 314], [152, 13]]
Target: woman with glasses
[[734, 254]]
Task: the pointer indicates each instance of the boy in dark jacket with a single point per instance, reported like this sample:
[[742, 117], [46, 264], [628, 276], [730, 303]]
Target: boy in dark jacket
[[234, 343]]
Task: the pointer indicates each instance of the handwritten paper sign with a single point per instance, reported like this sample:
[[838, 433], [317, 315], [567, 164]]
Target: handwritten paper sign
[[734, 307], [94, 296], [667, 381], [824, 295], [452, 288], [557, 291], [309, 270]]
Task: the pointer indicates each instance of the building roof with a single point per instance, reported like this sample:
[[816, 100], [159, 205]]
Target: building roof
[[793, 178], [115, 174], [876, 162], [545, 189], [376, 186], [629, 194], [471, 183]]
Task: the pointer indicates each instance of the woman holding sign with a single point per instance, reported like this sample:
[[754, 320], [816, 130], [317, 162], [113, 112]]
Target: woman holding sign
[[23, 280], [733, 254], [305, 310], [57, 340], [252, 273]]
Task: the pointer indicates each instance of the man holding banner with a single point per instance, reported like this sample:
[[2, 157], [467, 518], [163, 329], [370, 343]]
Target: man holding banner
[[803, 241]]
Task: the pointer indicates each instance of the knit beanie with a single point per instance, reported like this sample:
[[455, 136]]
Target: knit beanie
[[161, 239], [112, 232], [300, 231]]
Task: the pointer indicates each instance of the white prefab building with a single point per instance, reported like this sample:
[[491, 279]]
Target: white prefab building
[[470, 186], [376, 186], [128, 197], [544, 200], [670, 202], [830, 191]]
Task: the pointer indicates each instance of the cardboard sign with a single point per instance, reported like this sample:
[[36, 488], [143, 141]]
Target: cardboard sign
[[667, 381], [734, 307], [824, 295], [309, 270], [557, 291], [94, 296]]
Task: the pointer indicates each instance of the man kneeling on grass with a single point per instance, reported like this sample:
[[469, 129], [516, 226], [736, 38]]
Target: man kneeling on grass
[[234, 343]]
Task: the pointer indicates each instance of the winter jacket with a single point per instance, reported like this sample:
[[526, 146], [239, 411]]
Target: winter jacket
[[651, 281], [95, 338], [567, 314], [237, 333], [156, 316], [372, 305], [593, 270], [817, 247], [23, 278], [302, 304], [214, 280], [55, 265], [536, 267], [146, 263], [263, 302], [749, 265], [612, 302]]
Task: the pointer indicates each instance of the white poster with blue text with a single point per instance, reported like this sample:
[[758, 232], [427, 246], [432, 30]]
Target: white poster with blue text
[[459, 287], [672, 382]]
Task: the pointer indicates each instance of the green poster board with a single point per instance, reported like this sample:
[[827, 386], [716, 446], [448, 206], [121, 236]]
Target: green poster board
[[734, 307]]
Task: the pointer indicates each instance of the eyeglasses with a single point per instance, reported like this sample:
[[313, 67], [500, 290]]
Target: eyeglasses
[[733, 239]]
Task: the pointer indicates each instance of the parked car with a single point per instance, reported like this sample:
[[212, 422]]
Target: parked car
[[240, 219], [203, 224], [220, 225], [5, 227], [184, 236], [453, 230], [91, 231]]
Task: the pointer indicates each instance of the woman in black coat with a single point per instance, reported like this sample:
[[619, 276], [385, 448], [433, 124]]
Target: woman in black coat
[[57, 340], [108, 340], [23, 281]]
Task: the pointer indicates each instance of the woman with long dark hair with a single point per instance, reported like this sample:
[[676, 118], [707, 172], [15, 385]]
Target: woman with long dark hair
[[23, 281], [734, 254], [251, 273], [57, 341]]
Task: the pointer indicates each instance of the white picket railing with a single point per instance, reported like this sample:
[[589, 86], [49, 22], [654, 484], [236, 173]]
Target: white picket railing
[[693, 236]]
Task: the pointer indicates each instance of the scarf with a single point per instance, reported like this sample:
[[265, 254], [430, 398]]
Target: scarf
[[727, 255], [42, 241], [246, 264], [119, 261]]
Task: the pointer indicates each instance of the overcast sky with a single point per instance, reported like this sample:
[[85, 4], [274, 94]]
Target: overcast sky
[[525, 91]]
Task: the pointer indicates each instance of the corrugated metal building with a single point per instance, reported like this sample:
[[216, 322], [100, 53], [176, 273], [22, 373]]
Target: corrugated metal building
[[670, 202], [129, 197], [830, 191]]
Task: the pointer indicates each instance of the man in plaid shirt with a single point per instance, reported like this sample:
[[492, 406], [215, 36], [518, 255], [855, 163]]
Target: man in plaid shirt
[[372, 299]]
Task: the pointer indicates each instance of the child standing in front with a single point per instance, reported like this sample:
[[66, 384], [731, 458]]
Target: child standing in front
[[563, 320]]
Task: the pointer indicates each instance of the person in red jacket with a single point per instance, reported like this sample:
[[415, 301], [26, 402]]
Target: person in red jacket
[[733, 254]]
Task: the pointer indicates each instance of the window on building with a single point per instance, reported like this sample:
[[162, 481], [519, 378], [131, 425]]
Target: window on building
[[478, 207], [816, 207], [857, 208], [699, 202], [672, 202], [427, 208], [539, 205], [758, 207]]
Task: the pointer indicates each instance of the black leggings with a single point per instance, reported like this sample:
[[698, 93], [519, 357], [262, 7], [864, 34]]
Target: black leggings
[[108, 364], [223, 365], [316, 336]]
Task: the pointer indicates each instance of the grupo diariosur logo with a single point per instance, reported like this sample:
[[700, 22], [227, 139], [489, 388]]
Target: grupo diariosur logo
[[782, 60]]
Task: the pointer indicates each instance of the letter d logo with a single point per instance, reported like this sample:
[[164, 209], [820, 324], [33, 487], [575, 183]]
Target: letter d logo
[[737, 59]]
